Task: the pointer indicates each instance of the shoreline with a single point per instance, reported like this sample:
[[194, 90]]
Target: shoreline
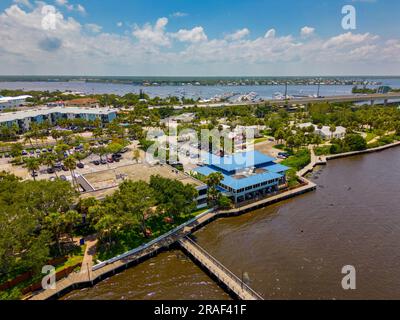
[[168, 241]]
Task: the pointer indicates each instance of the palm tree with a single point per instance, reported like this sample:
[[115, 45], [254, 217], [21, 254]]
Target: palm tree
[[136, 155], [32, 164], [70, 164], [50, 160]]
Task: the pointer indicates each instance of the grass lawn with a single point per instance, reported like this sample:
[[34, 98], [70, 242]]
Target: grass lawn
[[73, 259], [322, 151], [260, 140], [296, 162], [370, 136]]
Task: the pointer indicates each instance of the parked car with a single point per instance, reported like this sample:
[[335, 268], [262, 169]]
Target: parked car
[[24, 153], [110, 160], [64, 178], [64, 168], [124, 150], [34, 174], [80, 165], [51, 170], [103, 161], [6, 155], [96, 162]]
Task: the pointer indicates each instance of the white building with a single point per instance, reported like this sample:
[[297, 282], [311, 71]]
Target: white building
[[325, 131], [12, 102], [24, 119]]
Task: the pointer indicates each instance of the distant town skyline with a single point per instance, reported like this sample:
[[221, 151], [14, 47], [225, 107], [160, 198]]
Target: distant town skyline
[[190, 38]]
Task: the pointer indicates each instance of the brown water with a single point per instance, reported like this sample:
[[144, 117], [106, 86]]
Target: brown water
[[170, 275], [295, 249]]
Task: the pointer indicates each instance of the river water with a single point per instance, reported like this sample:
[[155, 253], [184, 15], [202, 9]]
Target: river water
[[295, 249], [203, 92]]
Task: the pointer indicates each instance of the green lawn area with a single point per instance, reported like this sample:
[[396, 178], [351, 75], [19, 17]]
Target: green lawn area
[[322, 151], [259, 140], [370, 136], [296, 162], [73, 259]]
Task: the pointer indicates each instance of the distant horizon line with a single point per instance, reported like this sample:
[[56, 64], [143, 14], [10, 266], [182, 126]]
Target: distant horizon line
[[198, 76]]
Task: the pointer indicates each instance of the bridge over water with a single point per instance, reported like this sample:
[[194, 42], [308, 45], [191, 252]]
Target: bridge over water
[[217, 270]]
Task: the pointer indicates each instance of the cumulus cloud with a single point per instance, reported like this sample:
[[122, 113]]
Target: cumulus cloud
[[25, 3], [239, 34], [92, 27], [70, 7], [194, 35], [307, 31], [153, 49], [349, 39], [156, 35], [270, 34]]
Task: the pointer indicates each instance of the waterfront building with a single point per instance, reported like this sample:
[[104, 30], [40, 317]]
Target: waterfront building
[[13, 102], [247, 175], [25, 119], [325, 132]]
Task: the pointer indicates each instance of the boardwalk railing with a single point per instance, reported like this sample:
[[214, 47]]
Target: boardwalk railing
[[151, 243], [239, 283]]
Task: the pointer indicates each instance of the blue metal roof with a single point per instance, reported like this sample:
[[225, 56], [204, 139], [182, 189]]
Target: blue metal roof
[[238, 161], [237, 184], [277, 168]]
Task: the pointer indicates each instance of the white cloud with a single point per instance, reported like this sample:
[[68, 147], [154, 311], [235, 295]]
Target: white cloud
[[194, 35], [70, 7], [348, 39], [119, 24], [152, 49], [25, 3], [153, 35], [239, 34], [92, 27], [307, 31]]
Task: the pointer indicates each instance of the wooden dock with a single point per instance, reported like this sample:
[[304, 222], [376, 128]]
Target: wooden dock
[[218, 271]]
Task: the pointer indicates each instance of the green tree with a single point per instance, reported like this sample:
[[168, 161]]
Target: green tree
[[355, 142], [213, 181], [70, 164], [32, 165], [173, 197]]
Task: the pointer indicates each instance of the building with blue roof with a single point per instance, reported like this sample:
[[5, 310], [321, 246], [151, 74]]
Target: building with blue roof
[[247, 175]]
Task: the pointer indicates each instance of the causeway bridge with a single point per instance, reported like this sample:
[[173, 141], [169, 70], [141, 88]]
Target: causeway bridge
[[218, 271], [370, 98]]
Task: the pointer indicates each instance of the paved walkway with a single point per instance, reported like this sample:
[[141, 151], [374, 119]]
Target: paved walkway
[[83, 276]]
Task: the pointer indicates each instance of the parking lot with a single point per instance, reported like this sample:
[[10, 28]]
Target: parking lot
[[89, 165]]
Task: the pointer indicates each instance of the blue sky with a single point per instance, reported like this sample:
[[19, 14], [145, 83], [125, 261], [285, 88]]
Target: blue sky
[[208, 37]]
